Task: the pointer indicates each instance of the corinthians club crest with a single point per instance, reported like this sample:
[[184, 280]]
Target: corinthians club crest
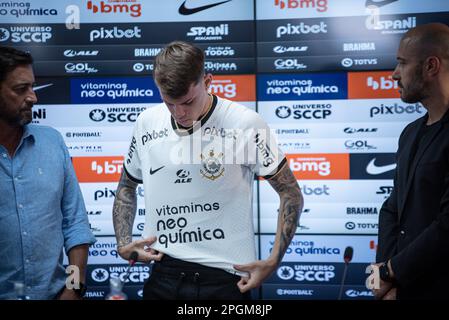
[[212, 165]]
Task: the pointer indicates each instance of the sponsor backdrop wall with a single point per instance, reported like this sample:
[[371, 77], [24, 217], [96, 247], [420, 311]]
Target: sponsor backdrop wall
[[318, 71]]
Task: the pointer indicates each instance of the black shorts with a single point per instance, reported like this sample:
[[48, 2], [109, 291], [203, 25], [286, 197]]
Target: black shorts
[[174, 279]]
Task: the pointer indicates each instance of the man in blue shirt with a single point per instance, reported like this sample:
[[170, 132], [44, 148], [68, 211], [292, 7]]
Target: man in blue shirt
[[41, 205]]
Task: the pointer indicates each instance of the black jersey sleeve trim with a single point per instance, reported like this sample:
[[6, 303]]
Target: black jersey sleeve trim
[[131, 177], [275, 172]]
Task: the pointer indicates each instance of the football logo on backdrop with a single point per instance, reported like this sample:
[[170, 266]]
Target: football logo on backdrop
[[212, 165]]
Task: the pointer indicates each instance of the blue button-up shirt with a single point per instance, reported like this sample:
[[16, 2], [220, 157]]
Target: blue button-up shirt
[[41, 211]]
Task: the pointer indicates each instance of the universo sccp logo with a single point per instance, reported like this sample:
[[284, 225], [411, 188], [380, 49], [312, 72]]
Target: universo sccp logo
[[285, 273], [97, 115], [100, 274], [283, 112]]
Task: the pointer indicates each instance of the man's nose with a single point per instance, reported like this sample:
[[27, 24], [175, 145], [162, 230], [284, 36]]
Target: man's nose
[[31, 97], [396, 76], [179, 110]]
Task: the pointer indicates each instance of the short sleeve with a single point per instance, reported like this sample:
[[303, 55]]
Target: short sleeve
[[132, 164], [266, 158]]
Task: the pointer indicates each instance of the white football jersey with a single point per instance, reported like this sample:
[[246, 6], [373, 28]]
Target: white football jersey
[[198, 182]]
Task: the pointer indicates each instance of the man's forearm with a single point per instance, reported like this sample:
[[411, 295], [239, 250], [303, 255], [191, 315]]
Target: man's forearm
[[124, 210], [291, 204], [78, 257]]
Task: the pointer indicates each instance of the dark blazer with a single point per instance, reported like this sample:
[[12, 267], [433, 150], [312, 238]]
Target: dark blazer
[[414, 220]]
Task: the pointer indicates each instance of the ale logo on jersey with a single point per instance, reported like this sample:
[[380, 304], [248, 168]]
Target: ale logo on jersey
[[98, 169], [212, 165], [372, 85], [131, 7], [319, 166]]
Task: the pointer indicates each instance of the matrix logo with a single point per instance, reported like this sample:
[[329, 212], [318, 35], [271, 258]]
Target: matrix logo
[[318, 5], [116, 6]]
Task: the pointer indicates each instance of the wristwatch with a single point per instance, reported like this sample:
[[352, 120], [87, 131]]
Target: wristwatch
[[384, 272], [81, 291]]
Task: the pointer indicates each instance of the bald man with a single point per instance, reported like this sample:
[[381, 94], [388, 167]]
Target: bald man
[[413, 247]]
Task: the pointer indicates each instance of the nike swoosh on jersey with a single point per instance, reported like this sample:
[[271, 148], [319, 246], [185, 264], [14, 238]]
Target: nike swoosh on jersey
[[378, 3], [42, 87], [372, 169], [187, 11], [155, 170]]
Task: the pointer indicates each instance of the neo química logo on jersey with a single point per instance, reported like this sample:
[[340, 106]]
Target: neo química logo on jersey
[[114, 90], [318, 86]]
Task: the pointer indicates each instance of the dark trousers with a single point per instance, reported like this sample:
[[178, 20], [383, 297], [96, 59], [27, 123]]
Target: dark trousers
[[174, 279]]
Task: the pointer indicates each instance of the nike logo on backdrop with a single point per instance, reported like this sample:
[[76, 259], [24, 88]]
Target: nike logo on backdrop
[[42, 87], [187, 11], [155, 170], [378, 3], [372, 169]]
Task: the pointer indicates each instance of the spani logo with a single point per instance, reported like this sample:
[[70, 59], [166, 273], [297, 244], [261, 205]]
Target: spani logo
[[283, 112], [285, 272], [100, 275], [97, 115]]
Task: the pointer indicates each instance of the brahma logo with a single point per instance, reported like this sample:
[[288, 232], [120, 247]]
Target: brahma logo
[[98, 169], [319, 166], [372, 85], [237, 88], [318, 5], [116, 6]]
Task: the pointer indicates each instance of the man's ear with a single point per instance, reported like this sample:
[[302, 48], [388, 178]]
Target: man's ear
[[207, 80], [432, 65]]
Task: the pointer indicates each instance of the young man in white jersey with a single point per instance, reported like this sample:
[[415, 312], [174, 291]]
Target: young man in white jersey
[[196, 155]]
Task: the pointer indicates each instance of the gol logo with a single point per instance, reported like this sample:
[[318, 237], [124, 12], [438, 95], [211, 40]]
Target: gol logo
[[98, 169]]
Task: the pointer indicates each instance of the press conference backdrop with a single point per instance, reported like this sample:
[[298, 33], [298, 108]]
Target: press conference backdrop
[[318, 71]]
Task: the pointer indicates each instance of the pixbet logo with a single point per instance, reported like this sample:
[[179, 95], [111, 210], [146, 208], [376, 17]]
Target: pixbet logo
[[134, 9], [115, 33], [302, 28], [318, 191]]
